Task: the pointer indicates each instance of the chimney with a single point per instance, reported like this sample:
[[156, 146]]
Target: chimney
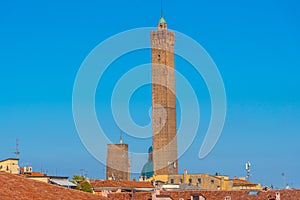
[[277, 195], [184, 176], [121, 139]]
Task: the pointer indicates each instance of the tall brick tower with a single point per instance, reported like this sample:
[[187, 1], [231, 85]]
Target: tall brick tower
[[163, 101]]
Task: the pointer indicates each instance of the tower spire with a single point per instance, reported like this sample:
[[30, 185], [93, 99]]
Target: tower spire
[[162, 24]]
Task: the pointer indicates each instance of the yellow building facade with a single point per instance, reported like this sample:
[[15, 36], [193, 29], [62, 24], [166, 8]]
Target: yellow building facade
[[207, 181], [10, 165], [44, 179]]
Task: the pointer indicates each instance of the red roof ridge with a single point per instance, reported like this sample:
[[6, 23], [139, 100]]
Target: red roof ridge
[[121, 183]]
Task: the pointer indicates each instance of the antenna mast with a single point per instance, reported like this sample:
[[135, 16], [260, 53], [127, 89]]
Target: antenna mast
[[17, 152], [248, 164], [161, 8]]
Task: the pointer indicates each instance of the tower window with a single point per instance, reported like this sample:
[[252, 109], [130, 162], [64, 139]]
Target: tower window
[[158, 57]]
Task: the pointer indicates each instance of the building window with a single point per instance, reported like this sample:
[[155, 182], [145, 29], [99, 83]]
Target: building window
[[212, 181], [199, 180], [227, 198], [197, 197], [190, 181], [180, 181], [172, 181], [158, 57]]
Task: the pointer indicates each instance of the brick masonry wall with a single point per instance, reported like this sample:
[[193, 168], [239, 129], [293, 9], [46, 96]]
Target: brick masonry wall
[[163, 103], [118, 162]]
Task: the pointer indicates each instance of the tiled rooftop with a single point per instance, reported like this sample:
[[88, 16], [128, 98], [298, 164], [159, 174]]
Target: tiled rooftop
[[240, 182], [36, 174], [212, 195], [237, 195], [17, 187], [129, 196]]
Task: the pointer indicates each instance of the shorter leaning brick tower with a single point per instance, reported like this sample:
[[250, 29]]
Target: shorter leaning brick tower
[[117, 163]]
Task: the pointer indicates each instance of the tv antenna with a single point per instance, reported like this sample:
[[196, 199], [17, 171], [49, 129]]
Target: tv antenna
[[284, 179], [17, 152], [248, 165], [161, 8], [83, 173]]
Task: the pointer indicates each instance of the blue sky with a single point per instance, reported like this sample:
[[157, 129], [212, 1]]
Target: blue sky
[[255, 45]]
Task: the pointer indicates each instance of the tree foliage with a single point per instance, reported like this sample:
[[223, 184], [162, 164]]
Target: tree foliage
[[82, 183], [86, 187], [77, 179]]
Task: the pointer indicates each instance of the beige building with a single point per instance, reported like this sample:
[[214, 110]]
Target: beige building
[[10, 165], [163, 101]]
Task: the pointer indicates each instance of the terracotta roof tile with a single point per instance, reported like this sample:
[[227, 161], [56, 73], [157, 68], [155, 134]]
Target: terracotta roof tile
[[121, 183], [36, 174], [211, 195], [18, 187], [239, 182], [236, 195], [129, 196]]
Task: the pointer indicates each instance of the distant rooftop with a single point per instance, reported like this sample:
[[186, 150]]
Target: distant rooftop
[[19, 187]]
